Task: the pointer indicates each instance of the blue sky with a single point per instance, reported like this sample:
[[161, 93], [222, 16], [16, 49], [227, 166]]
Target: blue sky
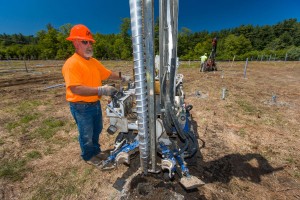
[[105, 16]]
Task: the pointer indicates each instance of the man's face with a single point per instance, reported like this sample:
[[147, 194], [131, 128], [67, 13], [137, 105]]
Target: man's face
[[84, 48]]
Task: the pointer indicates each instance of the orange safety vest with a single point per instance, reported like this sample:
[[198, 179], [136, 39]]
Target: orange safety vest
[[79, 71]]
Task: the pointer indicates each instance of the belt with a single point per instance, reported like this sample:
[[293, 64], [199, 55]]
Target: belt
[[83, 102]]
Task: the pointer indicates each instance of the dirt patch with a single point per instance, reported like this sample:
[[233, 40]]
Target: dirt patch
[[248, 142]]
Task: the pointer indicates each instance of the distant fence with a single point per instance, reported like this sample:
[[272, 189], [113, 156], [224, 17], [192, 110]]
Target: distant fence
[[14, 66]]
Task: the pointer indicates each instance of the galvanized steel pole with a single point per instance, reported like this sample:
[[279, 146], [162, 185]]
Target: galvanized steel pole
[[245, 69], [150, 75], [140, 81]]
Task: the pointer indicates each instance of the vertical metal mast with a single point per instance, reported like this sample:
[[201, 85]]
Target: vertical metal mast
[[162, 42], [140, 81], [150, 74], [168, 20], [142, 16], [168, 28]]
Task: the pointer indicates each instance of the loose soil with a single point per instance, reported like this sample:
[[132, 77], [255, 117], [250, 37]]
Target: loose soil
[[248, 142]]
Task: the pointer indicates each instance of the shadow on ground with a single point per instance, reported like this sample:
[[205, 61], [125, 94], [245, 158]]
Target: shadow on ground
[[249, 167]]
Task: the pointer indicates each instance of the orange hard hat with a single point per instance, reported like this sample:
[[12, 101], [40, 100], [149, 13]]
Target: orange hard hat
[[80, 32]]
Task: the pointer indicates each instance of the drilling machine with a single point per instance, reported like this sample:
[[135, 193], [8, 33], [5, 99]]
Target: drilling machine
[[211, 65], [150, 114]]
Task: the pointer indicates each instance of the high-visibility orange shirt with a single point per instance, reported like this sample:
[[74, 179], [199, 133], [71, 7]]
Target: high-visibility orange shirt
[[79, 71]]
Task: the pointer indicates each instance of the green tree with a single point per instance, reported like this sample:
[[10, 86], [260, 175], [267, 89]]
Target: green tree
[[118, 45], [13, 52], [48, 42], [124, 42], [294, 53], [183, 46], [30, 51], [104, 46], [236, 45], [64, 48], [203, 47]]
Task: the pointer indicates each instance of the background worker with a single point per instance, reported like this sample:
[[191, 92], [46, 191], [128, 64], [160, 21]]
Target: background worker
[[83, 76], [214, 44], [214, 47], [203, 60]]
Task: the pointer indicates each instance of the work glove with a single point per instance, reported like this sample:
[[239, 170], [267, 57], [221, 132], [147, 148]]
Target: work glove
[[126, 78], [107, 90]]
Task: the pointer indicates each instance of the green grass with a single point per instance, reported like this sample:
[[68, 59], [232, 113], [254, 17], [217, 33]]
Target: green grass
[[11, 125], [24, 113], [13, 170], [29, 117], [87, 172], [242, 132], [191, 65], [49, 150], [297, 174], [32, 155], [58, 186], [49, 127], [22, 122], [275, 119], [28, 106], [53, 123], [1, 142], [290, 160], [247, 107]]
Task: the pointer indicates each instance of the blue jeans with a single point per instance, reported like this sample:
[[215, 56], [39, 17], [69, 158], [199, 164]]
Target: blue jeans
[[88, 117]]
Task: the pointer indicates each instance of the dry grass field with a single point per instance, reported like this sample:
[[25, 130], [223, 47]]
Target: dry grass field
[[249, 142]]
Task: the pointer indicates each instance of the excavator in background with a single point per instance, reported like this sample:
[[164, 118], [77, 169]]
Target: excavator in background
[[210, 64], [150, 115]]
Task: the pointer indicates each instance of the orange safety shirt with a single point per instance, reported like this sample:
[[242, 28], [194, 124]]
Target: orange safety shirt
[[79, 71]]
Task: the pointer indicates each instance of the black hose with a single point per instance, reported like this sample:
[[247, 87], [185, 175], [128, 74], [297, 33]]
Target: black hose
[[178, 128], [165, 115], [193, 145]]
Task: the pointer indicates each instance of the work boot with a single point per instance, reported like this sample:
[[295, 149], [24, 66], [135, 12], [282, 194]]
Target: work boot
[[102, 156], [94, 161], [108, 165]]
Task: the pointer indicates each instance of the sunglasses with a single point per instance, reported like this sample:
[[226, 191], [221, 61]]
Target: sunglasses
[[85, 42]]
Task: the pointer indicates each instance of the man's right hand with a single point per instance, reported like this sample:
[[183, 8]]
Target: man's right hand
[[126, 78], [107, 90]]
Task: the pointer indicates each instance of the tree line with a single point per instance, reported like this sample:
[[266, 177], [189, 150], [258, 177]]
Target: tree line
[[246, 41]]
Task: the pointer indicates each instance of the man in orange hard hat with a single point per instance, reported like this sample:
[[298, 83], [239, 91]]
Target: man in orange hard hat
[[83, 76]]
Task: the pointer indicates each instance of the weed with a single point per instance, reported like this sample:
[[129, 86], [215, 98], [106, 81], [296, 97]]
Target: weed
[[297, 174], [58, 186], [26, 106], [34, 155], [60, 141], [46, 133], [24, 130], [11, 125], [228, 106], [1, 142], [247, 107], [87, 172], [26, 114], [242, 132], [275, 120], [13, 170], [49, 151], [29, 117], [290, 160], [49, 127], [53, 123], [190, 65]]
